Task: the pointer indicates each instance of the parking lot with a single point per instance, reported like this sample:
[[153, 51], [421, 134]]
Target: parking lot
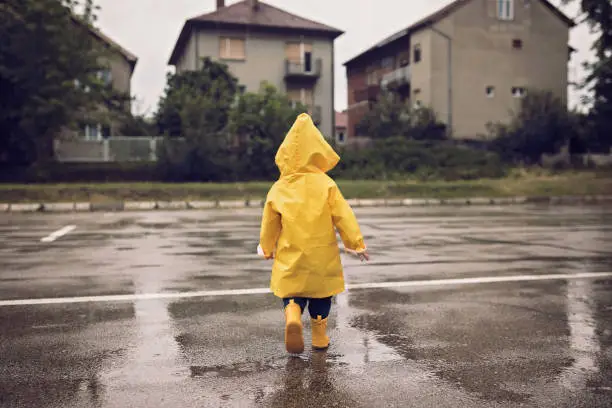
[[459, 307]]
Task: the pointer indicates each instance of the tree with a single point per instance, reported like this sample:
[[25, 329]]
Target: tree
[[213, 87], [542, 125], [49, 63], [387, 117], [598, 14], [137, 125], [196, 107], [258, 124], [390, 117]]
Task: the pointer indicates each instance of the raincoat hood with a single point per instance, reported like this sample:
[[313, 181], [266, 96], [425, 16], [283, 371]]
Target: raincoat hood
[[304, 150]]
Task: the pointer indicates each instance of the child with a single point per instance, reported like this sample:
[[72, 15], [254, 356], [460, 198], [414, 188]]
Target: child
[[297, 230]]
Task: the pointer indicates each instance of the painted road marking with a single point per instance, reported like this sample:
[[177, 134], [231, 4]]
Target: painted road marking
[[58, 234], [257, 291]]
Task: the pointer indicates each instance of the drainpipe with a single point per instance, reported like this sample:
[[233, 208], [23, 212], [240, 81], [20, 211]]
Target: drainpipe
[[197, 49], [333, 95], [450, 77]]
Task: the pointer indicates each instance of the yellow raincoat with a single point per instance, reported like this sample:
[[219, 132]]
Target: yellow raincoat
[[300, 214]]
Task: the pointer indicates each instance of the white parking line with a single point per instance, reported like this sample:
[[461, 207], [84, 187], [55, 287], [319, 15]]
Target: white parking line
[[258, 291], [59, 233]]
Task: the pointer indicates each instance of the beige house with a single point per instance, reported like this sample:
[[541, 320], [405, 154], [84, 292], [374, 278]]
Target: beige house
[[89, 140], [471, 61], [260, 43], [119, 66]]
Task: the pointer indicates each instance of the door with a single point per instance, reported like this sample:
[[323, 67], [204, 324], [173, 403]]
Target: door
[[306, 52]]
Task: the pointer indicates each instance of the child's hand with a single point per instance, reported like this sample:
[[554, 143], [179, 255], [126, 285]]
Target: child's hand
[[261, 253], [363, 255]]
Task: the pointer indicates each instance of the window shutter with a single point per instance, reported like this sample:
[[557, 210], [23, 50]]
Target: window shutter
[[224, 47], [237, 48], [292, 52]]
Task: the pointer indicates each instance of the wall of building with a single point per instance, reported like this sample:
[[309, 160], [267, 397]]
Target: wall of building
[[356, 80], [422, 72], [483, 55], [265, 61], [187, 60], [121, 71]]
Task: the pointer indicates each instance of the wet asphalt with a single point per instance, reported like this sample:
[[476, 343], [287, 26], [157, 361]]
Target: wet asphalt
[[506, 344]]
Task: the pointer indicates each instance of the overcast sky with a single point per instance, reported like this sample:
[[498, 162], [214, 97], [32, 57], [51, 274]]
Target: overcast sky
[[149, 29]]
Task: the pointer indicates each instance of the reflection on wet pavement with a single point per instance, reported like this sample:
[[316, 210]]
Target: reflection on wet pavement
[[542, 344]]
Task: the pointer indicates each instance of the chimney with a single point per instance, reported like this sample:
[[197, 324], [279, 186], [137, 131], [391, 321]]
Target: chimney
[[254, 4], [220, 4]]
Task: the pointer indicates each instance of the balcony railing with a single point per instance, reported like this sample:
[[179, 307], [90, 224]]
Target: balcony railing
[[301, 70], [396, 78]]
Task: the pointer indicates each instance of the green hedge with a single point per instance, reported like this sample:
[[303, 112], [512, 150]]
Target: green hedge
[[390, 159], [55, 172], [425, 160]]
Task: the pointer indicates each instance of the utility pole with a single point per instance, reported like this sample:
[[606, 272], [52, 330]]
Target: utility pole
[[450, 77]]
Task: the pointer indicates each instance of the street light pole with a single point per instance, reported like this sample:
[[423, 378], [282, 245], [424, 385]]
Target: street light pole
[[450, 77]]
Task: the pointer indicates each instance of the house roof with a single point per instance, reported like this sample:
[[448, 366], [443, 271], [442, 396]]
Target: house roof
[[341, 120], [243, 15], [437, 16], [129, 57]]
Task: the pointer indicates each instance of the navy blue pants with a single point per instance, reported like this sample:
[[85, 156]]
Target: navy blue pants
[[316, 307]]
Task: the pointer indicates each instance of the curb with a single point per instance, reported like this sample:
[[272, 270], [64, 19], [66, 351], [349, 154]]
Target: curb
[[240, 204]]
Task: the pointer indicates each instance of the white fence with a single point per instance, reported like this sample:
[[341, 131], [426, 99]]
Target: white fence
[[113, 149], [587, 160]]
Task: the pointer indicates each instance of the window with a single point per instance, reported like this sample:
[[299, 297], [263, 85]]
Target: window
[[92, 132], [388, 62], [96, 131], [518, 92], [232, 48], [517, 43], [340, 137], [404, 58], [372, 78], [417, 53], [490, 91], [505, 9], [106, 76]]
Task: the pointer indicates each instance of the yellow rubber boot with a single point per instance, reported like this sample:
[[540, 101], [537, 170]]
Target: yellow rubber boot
[[294, 339], [319, 333]]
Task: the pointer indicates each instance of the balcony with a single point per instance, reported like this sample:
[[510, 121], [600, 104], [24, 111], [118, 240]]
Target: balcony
[[369, 93], [303, 71], [397, 78]]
